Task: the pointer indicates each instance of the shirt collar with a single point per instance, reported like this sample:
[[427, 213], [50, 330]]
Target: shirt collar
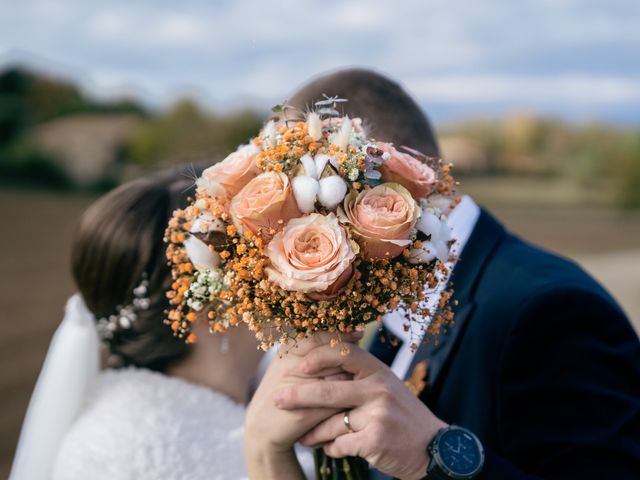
[[462, 221]]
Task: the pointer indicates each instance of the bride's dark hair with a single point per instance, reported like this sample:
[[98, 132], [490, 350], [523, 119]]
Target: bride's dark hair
[[119, 239]]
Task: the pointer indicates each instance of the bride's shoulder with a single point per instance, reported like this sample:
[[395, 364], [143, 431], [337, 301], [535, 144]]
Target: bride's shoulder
[[136, 420]]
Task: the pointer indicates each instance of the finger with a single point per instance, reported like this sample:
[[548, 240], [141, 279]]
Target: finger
[[320, 339], [321, 394], [314, 416], [357, 361], [348, 445], [333, 427], [339, 377], [325, 373]]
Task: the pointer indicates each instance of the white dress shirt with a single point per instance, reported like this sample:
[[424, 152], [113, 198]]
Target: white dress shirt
[[461, 221]]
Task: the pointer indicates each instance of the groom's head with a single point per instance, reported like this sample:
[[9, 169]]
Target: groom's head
[[389, 112]]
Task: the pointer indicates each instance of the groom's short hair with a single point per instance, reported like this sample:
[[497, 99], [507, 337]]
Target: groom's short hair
[[389, 112]]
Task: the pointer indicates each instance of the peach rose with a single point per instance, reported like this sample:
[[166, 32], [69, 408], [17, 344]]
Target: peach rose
[[313, 255], [406, 170], [264, 203], [383, 219], [235, 171]]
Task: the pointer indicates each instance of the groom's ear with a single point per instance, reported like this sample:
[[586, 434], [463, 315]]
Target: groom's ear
[[389, 112]]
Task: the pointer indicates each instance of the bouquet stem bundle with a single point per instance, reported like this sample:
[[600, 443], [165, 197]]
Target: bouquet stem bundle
[[348, 468]]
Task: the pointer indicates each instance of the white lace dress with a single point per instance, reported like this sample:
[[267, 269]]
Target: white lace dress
[[140, 424]]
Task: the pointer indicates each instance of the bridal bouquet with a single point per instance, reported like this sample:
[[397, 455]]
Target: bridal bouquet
[[311, 227]]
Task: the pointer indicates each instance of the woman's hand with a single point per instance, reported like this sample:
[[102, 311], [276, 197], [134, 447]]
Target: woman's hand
[[270, 432]]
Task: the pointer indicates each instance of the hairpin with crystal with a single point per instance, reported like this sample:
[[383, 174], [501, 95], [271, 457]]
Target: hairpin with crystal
[[127, 314]]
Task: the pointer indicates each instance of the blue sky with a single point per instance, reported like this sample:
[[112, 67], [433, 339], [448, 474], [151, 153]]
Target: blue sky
[[577, 59]]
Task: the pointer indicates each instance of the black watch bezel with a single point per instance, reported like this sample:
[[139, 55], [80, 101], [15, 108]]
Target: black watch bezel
[[437, 469]]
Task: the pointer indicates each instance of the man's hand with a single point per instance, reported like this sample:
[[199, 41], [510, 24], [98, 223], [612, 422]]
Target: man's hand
[[391, 427]]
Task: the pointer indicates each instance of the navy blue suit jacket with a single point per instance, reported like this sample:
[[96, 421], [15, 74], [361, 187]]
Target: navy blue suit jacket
[[542, 365]]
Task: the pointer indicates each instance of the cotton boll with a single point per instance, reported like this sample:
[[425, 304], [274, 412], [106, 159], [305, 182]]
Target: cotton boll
[[309, 166], [425, 254], [332, 191], [342, 137], [305, 190], [314, 125], [440, 203], [429, 224], [202, 257], [207, 223], [442, 251], [321, 161], [437, 228], [212, 188]]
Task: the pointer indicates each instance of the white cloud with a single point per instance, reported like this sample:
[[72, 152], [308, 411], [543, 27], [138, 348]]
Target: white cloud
[[536, 52], [564, 89]]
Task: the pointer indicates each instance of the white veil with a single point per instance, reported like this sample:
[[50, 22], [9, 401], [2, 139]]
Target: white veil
[[71, 365]]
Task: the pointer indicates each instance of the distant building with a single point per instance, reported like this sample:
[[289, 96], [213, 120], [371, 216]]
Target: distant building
[[86, 146]]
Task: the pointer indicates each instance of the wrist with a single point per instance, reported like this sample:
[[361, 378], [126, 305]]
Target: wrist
[[267, 462], [433, 425]]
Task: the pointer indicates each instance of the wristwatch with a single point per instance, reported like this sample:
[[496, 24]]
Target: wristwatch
[[455, 453]]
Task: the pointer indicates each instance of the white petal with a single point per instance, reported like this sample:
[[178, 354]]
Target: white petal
[[332, 191], [201, 256], [342, 137], [309, 166], [212, 188], [269, 134], [314, 125], [305, 190], [321, 161]]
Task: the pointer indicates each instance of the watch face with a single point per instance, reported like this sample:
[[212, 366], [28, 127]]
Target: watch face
[[459, 452]]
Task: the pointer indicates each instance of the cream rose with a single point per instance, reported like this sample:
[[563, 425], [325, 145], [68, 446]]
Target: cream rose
[[383, 219], [235, 171], [406, 170], [265, 203], [313, 255]]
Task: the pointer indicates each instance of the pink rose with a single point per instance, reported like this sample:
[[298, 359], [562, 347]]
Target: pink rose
[[383, 219], [406, 170], [235, 171], [265, 203], [313, 255]]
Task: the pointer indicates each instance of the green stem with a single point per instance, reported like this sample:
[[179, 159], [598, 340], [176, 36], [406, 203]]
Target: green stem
[[346, 468], [322, 467], [349, 468]]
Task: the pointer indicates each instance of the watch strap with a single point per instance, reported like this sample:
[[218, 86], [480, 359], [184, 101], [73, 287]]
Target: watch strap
[[434, 472]]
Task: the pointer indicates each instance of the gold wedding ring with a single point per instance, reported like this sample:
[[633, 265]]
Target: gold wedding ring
[[347, 423]]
